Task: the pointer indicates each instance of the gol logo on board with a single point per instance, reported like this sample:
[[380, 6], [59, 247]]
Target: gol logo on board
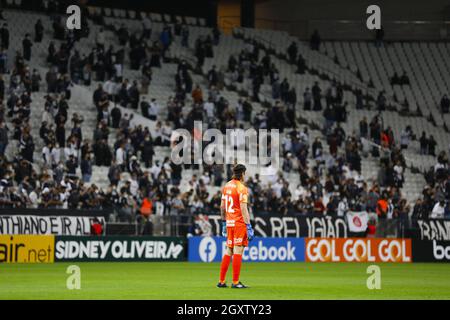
[[357, 250]]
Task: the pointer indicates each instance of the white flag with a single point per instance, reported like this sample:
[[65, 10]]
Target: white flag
[[357, 221]]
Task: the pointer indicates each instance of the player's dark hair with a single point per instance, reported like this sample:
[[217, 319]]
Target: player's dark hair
[[238, 171]]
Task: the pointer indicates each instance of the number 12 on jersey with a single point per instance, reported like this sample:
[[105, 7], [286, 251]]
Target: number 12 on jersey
[[228, 203]]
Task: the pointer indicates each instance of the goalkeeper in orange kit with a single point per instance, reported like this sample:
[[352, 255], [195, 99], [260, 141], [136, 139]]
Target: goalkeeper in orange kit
[[235, 225]]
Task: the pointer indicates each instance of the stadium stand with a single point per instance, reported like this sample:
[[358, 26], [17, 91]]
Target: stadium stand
[[94, 129]]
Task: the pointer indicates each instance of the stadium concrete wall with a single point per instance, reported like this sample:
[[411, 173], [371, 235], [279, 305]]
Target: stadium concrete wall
[[339, 20]]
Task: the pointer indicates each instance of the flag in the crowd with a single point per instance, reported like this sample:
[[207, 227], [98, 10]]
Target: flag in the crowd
[[357, 221]]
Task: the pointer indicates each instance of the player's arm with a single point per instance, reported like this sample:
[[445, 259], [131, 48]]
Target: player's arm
[[245, 213], [243, 203]]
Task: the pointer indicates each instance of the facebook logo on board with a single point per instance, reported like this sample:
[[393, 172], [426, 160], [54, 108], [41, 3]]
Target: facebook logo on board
[[212, 249], [207, 249]]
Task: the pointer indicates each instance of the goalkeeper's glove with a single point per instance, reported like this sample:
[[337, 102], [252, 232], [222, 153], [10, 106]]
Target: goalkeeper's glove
[[250, 232], [224, 228]]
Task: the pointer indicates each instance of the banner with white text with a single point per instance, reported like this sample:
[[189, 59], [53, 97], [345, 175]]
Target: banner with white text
[[119, 248]]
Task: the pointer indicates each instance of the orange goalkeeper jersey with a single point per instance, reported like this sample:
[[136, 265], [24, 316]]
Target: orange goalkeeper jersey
[[233, 193]]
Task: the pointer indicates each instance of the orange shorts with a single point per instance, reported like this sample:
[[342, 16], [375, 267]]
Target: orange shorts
[[237, 236]]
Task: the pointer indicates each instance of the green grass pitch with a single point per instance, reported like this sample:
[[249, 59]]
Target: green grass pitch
[[183, 280]]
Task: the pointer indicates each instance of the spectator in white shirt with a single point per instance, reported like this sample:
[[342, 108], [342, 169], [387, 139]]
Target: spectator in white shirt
[[439, 166], [55, 155], [119, 71], [301, 192], [438, 210], [342, 207], [46, 116], [276, 188], [70, 150], [359, 179], [34, 199], [155, 170], [110, 87], [46, 154], [153, 110], [166, 165], [209, 109], [405, 137], [399, 174], [134, 185], [206, 178], [347, 172], [120, 155]]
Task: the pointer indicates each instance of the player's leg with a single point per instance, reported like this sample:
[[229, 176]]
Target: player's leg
[[240, 242], [226, 259], [224, 267]]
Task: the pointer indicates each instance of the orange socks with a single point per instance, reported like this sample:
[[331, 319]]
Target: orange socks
[[237, 261], [224, 267]]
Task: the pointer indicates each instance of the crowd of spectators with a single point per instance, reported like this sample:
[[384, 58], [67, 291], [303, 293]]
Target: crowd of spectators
[[329, 169]]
